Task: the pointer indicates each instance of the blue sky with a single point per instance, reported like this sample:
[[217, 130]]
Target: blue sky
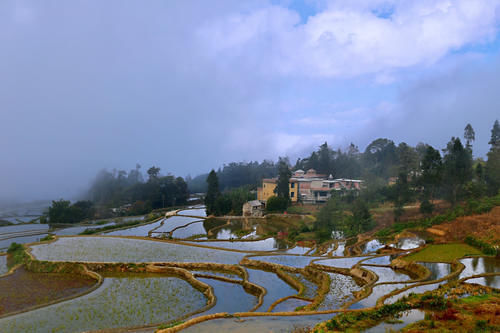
[[190, 85]]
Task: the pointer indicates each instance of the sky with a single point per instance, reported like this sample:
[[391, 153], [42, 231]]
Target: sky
[[190, 85]]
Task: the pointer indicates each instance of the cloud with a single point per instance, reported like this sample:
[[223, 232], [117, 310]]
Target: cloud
[[352, 38]]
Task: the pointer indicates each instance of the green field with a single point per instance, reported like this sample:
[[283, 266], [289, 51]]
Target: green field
[[443, 252]]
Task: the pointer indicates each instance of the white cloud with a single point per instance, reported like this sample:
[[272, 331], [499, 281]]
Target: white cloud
[[351, 38]]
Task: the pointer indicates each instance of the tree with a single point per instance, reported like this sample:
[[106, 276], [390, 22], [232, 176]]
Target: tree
[[284, 174], [325, 162], [495, 135], [213, 193], [430, 180], [276, 204], [492, 172], [153, 173], [469, 136], [457, 169]]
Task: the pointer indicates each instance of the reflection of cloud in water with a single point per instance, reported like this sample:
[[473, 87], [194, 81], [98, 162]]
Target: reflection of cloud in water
[[474, 266]]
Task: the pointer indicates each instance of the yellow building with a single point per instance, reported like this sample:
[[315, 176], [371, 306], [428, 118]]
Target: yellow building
[[267, 189], [269, 185]]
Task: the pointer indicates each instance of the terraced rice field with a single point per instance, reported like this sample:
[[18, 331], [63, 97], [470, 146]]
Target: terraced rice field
[[268, 244], [341, 262], [175, 222], [474, 266], [276, 288], [190, 230], [141, 231], [287, 260], [3, 265], [111, 249], [119, 302], [23, 289], [231, 297], [341, 289]]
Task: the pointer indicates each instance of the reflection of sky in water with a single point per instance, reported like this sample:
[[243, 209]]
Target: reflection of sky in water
[[190, 230], [372, 246], [268, 244], [386, 274], [231, 297], [6, 231], [77, 230], [142, 230], [409, 243], [341, 262], [438, 269], [339, 252], [407, 318], [193, 212], [276, 288], [474, 266], [416, 290], [385, 260]]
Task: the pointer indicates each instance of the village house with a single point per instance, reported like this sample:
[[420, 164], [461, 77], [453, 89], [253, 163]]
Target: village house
[[254, 208], [309, 187]]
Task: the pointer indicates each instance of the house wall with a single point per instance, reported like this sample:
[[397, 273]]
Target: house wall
[[266, 191]]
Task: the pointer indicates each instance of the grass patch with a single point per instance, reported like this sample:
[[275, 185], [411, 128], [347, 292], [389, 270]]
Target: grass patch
[[443, 252], [476, 299]]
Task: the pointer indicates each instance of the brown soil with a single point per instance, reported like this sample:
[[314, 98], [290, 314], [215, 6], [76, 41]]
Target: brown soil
[[385, 216], [23, 289], [485, 226]]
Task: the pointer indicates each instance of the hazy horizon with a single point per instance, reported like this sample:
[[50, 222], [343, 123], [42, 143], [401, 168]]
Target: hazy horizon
[[190, 85]]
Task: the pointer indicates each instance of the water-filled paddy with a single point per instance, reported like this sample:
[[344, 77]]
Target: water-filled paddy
[[340, 262], [217, 273], [339, 252], [194, 212], [416, 290], [409, 243], [386, 274], [384, 260], [298, 250], [310, 287], [377, 292], [13, 229], [268, 244], [3, 265], [5, 243], [141, 231], [119, 302], [276, 288], [341, 289], [372, 246], [78, 230], [290, 305], [481, 265], [231, 297], [405, 319], [438, 269], [111, 249], [22, 289], [287, 260], [195, 228], [258, 324], [175, 222]]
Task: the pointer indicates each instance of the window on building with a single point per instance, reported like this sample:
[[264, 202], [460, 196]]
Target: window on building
[[292, 194], [292, 185]]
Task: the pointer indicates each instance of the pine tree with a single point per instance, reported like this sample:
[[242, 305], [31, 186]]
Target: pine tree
[[284, 174], [492, 172], [213, 193], [469, 136]]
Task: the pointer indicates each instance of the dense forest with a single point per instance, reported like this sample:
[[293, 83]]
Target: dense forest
[[234, 175]]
